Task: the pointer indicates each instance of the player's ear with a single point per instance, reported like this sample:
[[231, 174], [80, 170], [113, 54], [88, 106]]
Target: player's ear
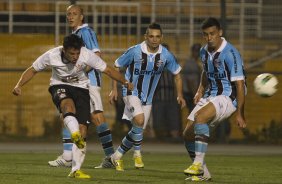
[[220, 32], [81, 18]]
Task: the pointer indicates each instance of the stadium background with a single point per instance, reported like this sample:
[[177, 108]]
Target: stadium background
[[30, 27]]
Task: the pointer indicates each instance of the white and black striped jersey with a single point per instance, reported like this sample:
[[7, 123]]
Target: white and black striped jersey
[[64, 72]]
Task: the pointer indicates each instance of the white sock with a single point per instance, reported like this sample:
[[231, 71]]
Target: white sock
[[199, 157], [71, 123], [67, 155], [78, 157], [117, 155], [137, 153], [206, 171]]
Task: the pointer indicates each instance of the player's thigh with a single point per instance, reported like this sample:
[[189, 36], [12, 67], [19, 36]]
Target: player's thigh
[[147, 109], [82, 104], [224, 109], [62, 98], [203, 111], [205, 114], [133, 110]]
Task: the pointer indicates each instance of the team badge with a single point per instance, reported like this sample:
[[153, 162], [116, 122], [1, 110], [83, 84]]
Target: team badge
[[216, 62], [131, 109], [159, 63]]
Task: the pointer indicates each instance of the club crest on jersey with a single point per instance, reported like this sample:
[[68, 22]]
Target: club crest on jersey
[[159, 63], [131, 109], [216, 62]]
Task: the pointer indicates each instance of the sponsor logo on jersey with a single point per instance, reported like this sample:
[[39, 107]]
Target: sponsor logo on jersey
[[216, 75], [146, 72]]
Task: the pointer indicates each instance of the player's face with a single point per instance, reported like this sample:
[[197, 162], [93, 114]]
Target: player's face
[[153, 39], [74, 17], [212, 36], [71, 54]]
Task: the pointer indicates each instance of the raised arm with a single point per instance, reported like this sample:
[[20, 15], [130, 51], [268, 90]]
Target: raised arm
[[26, 76], [114, 74]]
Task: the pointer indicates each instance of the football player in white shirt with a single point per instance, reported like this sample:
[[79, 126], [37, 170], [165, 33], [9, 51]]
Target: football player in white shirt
[[69, 85]]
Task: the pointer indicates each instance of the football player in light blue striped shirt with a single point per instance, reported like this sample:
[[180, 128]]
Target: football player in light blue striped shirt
[[221, 93], [144, 64], [75, 19]]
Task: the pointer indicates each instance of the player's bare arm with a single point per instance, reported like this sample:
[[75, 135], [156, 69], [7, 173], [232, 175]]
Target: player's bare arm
[[110, 71], [114, 92], [201, 89], [178, 85], [240, 116], [27, 75]]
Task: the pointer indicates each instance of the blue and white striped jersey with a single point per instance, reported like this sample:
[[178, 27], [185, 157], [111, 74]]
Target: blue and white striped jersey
[[144, 70], [90, 40], [222, 69]]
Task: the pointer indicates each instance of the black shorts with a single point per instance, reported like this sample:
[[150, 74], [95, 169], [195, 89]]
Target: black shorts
[[80, 96]]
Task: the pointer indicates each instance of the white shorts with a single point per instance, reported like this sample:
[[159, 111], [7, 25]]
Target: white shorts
[[95, 99], [133, 107], [223, 106]]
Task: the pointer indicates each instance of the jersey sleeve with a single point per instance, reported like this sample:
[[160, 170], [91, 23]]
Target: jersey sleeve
[[41, 62], [235, 65], [94, 61], [172, 64], [126, 58]]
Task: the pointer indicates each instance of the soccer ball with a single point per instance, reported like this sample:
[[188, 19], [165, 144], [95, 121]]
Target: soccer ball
[[265, 84]]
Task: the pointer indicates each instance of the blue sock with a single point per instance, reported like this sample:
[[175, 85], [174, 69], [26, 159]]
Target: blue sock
[[134, 136], [67, 144], [201, 137], [105, 137]]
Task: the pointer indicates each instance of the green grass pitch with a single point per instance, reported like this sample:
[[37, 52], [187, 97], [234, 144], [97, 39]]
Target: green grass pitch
[[32, 168]]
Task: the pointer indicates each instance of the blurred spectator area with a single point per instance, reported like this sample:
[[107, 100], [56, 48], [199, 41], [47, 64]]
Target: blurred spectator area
[[30, 27]]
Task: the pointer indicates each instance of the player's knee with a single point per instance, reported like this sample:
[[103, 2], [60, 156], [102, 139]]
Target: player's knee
[[68, 114], [199, 118], [97, 118], [139, 123]]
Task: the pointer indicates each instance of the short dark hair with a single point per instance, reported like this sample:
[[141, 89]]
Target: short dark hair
[[154, 26], [72, 41], [209, 22]]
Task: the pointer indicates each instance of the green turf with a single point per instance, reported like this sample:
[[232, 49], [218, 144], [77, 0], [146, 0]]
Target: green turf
[[32, 168]]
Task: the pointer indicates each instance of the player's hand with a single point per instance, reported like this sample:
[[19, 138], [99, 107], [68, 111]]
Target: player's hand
[[181, 101], [113, 96], [130, 86], [240, 120], [17, 91], [197, 97]]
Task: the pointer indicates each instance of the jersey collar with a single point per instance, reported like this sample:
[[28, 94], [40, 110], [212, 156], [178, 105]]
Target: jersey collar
[[145, 50], [222, 46], [79, 27]]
